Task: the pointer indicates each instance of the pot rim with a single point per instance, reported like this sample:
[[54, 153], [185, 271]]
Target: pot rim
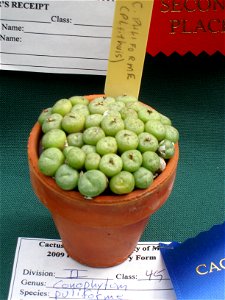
[[74, 196]]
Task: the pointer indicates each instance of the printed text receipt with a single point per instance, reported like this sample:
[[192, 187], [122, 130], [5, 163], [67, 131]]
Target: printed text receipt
[[56, 36], [42, 270]]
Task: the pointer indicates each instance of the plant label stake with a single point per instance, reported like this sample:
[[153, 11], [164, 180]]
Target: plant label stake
[[128, 47]]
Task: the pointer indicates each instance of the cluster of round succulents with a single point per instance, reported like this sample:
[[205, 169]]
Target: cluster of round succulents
[[109, 144]]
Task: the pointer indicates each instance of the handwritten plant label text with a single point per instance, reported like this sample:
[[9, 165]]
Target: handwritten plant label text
[[75, 283], [128, 47]]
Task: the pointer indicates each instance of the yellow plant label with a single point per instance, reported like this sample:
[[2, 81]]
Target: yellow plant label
[[128, 47]]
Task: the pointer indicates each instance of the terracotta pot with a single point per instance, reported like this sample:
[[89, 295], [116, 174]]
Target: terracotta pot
[[104, 231]]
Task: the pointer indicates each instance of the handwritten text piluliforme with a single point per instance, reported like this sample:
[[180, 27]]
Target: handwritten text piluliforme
[[128, 47], [76, 284]]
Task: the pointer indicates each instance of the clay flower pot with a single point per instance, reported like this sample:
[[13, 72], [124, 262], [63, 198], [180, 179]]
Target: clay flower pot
[[104, 231]]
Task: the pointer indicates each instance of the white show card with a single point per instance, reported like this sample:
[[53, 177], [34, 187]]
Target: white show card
[[56, 36], [43, 270]]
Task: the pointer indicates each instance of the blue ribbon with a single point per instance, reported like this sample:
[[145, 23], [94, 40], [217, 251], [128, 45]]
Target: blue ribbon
[[197, 266]]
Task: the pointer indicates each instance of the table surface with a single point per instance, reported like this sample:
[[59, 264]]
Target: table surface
[[190, 90]]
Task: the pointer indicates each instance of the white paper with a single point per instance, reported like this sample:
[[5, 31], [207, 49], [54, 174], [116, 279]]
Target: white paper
[[43, 270], [56, 36]]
